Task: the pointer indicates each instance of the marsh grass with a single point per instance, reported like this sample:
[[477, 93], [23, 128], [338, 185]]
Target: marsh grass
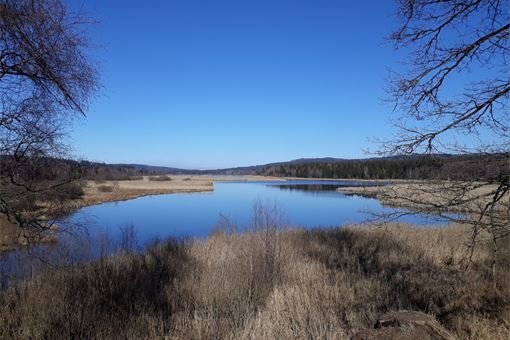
[[267, 283], [160, 178], [124, 296], [105, 188]]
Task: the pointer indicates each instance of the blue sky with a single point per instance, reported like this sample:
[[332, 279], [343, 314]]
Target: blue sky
[[210, 84]]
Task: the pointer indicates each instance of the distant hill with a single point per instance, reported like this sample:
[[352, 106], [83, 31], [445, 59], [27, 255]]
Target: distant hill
[[394, 167], [442, 166]]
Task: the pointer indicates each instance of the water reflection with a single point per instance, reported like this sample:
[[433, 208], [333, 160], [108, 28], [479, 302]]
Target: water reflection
[[324, 186], [308, 187]]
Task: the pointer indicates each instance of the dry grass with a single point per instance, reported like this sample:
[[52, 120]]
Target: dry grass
[[105, 188], [12, 237], [155, 185], [268, 283], [430, 195], [160, 178], [124, 296], [84, 193], [142, 186]]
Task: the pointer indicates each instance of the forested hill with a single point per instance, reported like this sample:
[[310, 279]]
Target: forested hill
[[403, 167], [474, 167]]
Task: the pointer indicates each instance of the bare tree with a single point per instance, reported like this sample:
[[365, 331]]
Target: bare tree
[[454, 98], [46, 79], [458, 80]]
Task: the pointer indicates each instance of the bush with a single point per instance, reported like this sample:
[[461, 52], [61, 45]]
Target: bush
[[25, 202], [117, 177], [160, 178], [72, 190], [105, 188], [102, 178], [409, 276], [117, 297], [32, 201]]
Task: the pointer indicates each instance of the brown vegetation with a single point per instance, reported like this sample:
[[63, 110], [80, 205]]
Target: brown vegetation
[[12, 237], [160, 178], [70, 196], [46, 206], [268, 283], [429, 195], [100, 191], [105, 188], [405, 325], [154, 185]]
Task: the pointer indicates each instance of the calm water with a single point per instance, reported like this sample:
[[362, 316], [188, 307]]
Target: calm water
[[301, 203]]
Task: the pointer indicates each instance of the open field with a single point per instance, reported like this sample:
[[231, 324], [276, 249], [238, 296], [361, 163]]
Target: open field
[[270, 283]]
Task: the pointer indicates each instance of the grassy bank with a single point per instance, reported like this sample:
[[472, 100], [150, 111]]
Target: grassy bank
[[97, 192], [268, 283], [432, 195], [84, 193]]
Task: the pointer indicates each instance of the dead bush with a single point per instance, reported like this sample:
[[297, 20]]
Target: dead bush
[[115, 297]]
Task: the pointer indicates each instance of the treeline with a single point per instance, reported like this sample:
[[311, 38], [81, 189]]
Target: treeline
[[102, 171], [455, 167], [479, 167], [27, 182], [119, 172]]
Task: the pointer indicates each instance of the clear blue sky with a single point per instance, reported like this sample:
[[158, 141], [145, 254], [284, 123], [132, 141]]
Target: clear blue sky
[[209, 84]]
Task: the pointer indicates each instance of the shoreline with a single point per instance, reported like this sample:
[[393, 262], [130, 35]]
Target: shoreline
[[98, 192], [132, 189], [423, 196]]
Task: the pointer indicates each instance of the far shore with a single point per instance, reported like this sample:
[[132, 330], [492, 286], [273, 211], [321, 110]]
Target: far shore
[[97, 192], [425, 195], [102, 191], [131, 189]]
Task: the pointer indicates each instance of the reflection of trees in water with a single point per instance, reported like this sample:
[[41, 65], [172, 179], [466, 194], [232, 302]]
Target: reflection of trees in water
[[321, 187], [308, 187]]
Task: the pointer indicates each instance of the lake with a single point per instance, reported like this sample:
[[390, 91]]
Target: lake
[[301, 203]]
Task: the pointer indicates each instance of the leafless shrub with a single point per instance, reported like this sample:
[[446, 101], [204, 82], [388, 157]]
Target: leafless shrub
[[125, 296], [128, 242], [225, 225], [105, 188], [161, 178], [268, 226], [235, 274]]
